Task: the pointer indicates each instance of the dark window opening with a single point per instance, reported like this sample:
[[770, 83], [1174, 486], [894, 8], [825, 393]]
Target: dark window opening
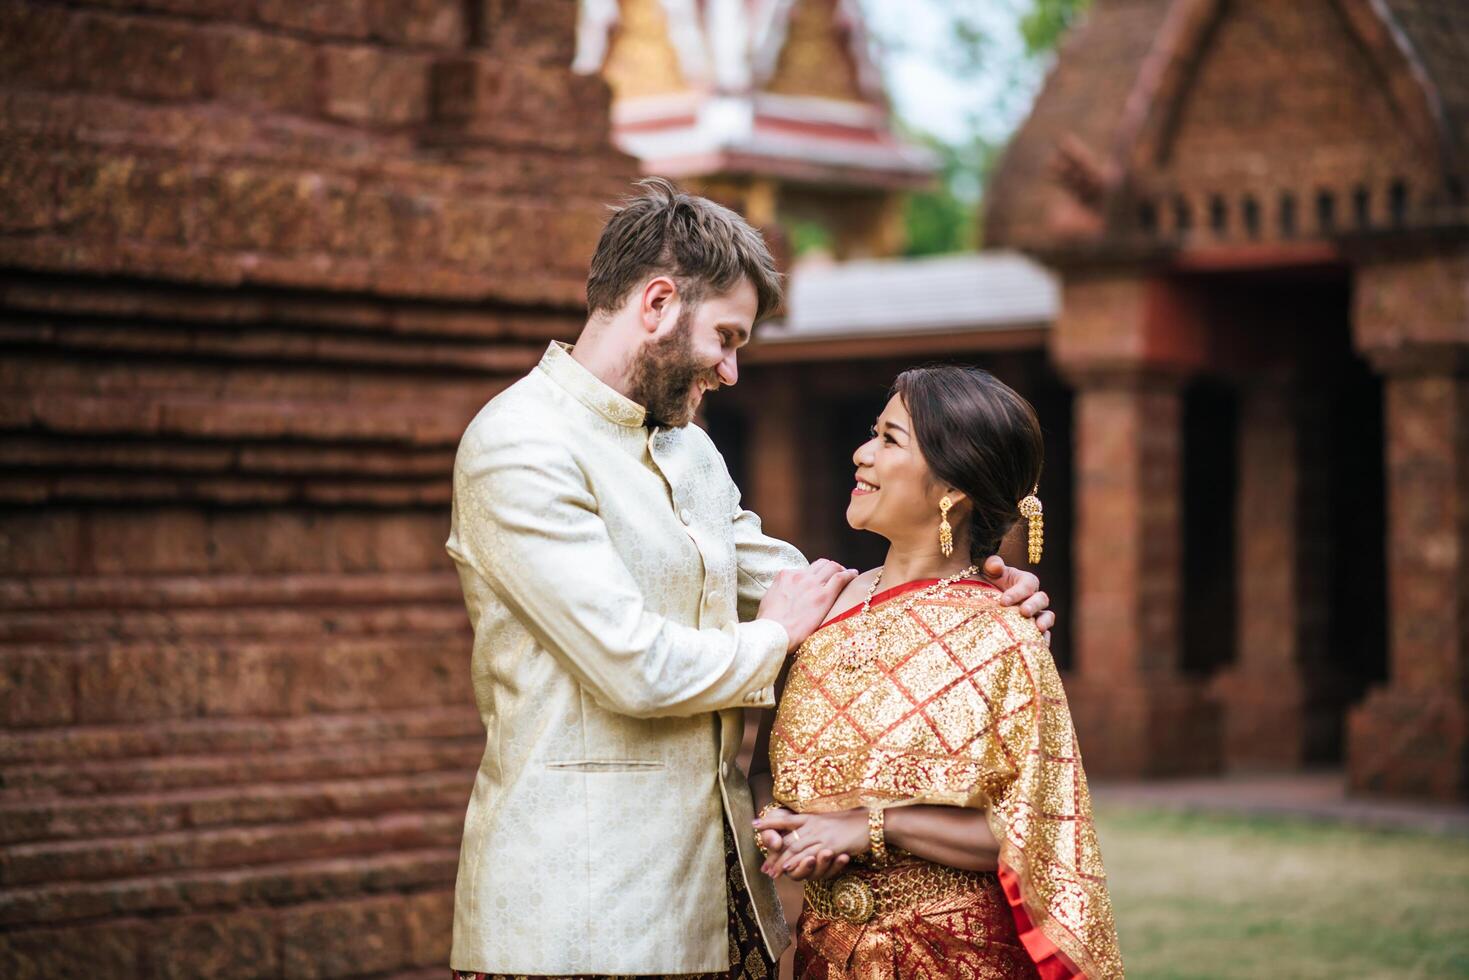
[[1218, 214], [1287, 215], [1326, 211], [475, 31], [1362, 207], [1147, 217], [1183, 215], [1398, 203], [1251, 214]]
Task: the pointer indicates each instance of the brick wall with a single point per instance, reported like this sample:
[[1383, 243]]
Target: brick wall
[[260, 262]]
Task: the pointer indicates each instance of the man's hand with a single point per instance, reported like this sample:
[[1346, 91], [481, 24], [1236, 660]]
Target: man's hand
[[1024, 588], [800, 600]]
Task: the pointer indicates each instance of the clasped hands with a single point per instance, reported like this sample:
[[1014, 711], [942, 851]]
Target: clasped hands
[[814, 846]]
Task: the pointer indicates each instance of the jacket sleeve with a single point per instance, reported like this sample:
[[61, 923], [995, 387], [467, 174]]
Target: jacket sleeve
[[758, 558], [526, 521]]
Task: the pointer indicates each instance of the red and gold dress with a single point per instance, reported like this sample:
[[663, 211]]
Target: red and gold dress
[[951, 699]]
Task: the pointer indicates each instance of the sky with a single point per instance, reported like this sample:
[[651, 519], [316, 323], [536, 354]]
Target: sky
[[929, 90]]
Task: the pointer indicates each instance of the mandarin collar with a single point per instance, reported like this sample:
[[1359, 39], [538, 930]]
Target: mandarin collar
[[589, 389]]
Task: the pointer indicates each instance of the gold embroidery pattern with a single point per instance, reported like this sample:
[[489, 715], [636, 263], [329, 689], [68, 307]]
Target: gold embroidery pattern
[[959, 932], [962, 706]]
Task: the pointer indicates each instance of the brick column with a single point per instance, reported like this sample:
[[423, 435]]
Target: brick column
[[1411, 736], [1128, 344], [777, 466], [1136, 715], [1282, 701]]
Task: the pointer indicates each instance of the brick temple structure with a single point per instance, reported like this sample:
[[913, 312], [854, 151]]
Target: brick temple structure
[[260, 263], [1258, 212]]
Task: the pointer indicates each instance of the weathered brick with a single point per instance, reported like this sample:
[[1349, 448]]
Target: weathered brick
[[543, 31], [138, 683], [429, 921], [37, 687], [418, 22], [211, 9], [264, 71], [369, 85], [143, 57], [323, 18], [233, 383], [28, 192], [259, 208], [242, 945], [344, 939], [44, 954], [476, 97], [30, 36]]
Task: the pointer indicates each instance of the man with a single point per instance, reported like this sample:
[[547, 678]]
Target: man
[[625, 611]]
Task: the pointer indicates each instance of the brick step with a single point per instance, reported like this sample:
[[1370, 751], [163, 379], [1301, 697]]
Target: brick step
[[174, 592], [185, 678], [83, 743], [282, 883], [229, 847], [59, 819], [132, 302], [398, 936], [444, 618], [167, 773]]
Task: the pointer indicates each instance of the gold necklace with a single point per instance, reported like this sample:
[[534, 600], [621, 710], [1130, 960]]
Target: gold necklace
[[862, 645]]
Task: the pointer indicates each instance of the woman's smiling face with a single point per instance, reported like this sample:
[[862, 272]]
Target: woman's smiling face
[[895, 494]]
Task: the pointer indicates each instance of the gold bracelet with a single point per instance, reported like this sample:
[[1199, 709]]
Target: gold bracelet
[[772, 805], [876, 839]]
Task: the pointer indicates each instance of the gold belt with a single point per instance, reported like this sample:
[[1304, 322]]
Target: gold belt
[[863, 894]]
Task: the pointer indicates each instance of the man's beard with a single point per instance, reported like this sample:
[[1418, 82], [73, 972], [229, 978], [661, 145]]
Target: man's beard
[[665, 374]]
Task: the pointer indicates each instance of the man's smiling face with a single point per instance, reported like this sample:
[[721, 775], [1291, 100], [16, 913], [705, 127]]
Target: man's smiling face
[[695, 354]]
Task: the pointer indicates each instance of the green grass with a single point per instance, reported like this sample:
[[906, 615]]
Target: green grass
[[1225, 896]]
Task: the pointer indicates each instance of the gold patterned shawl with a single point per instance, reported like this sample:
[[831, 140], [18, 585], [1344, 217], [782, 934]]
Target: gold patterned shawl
[[961, 705]]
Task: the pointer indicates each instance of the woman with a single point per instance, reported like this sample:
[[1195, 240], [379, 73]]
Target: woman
[[924, 781]]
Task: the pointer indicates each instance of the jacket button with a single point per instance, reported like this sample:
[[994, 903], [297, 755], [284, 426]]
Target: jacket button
[[724, 769], [685, 516]]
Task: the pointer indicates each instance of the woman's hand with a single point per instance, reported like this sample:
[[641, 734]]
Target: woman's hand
[[812, 845]]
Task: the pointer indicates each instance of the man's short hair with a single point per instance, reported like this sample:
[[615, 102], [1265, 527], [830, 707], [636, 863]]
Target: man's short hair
[[702, 246]]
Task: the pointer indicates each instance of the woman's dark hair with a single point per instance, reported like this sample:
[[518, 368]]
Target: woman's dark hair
[[979, 437]]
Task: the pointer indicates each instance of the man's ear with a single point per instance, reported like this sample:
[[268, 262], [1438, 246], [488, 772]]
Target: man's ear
[[658, 295]]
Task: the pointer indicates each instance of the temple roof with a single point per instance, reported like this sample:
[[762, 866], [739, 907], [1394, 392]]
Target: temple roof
[[786, 88], [1181, 120], [873, 297]]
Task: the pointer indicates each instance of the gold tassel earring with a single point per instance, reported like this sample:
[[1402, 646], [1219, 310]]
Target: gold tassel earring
[[946, 533], [1030, 509]]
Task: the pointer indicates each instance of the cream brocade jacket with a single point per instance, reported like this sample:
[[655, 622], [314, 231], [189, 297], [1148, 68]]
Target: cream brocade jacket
[[611, 579]]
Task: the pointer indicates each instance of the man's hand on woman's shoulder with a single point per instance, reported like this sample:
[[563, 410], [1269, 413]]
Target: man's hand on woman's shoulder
[[1021, 588], [800, 599]]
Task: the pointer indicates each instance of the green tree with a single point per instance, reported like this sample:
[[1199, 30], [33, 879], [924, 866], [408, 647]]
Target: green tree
[[1045, 22], [946, 218]]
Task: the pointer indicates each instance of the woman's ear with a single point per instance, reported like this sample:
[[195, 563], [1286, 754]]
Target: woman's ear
[[957, 498]]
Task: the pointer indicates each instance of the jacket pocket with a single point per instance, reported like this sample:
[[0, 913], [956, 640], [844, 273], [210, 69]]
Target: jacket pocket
[[605, 765]]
